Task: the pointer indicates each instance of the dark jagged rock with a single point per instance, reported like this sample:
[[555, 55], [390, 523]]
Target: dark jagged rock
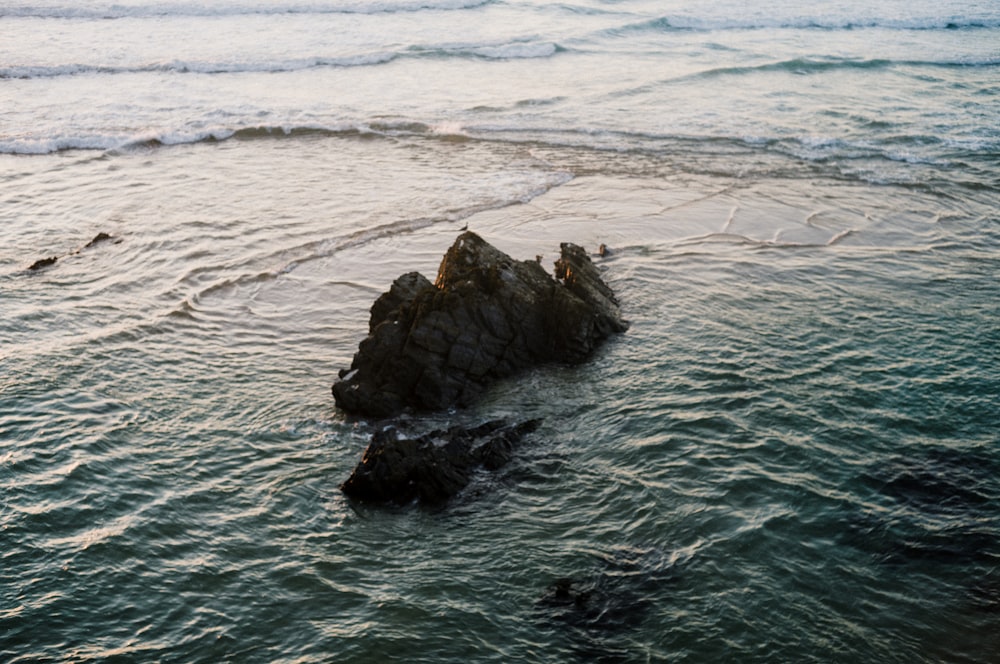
[[486, 317], [43, 262], [100, 237], [46, 262], [433, 467]]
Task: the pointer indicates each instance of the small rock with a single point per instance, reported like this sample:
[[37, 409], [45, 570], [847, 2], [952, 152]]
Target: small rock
[[433, 467], [100, 237], [43, 262]]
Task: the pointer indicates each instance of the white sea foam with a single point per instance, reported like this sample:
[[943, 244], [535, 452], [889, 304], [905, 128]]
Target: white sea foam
[[201, 73], [37, 145], [449, 128], [516, 50]]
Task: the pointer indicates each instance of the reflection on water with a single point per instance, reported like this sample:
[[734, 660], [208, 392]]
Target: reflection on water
[[788, 455]]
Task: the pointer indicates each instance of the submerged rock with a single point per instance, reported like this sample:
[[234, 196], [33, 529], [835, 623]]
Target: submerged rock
[[51, 260], [599, 610], [43, 262], [101, 237], [433, 467], [486, 317]]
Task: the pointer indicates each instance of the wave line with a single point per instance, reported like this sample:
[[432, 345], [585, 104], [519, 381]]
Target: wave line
[[514, 50], [191, 9], [696, 24]]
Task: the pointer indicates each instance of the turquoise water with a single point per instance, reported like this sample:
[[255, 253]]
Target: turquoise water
[[791, 455]]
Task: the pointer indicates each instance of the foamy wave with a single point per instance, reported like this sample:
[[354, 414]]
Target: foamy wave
[[116, 141], [164, 9], [506, 51], [516, 50], [867, 160], [111, 141], [818, 66], [889, 160], [47, 145]]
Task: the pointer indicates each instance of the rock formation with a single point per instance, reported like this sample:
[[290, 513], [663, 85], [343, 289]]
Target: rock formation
[[43, 262], [433, 467], [102, 237], [486, 317], [51, 260]]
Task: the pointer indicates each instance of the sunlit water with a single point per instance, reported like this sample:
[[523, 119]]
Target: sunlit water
[[792, 454]]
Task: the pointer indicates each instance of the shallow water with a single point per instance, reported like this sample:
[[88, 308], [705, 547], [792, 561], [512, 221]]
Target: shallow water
[[790, 456]]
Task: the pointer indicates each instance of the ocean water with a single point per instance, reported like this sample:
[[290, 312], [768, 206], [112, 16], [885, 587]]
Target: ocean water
[[791, 456]]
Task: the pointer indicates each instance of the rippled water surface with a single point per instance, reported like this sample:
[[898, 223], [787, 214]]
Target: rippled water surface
[[791, 455]]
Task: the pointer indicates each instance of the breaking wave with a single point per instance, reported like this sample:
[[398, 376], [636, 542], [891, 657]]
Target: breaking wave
[[502, 51]]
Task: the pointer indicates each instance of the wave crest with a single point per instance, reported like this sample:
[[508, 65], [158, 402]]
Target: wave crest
[[710, 24], [501, 51], [106, 11], [119, 142]]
